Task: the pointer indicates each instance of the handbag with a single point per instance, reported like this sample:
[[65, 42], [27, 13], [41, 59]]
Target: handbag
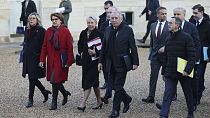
[[64, 58], [78, 59], [128, 62], [20, 30]]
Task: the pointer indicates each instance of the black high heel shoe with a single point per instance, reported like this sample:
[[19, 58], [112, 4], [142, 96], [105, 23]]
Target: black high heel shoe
[[81, 108], [65, 99], [99, 106], [47, 92]]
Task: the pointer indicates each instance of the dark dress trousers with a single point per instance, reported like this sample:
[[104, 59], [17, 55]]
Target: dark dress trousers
[[90, 74], [204, 34], [31, 7], [116, 44], [179, 44], [151, 5], [155, 57]]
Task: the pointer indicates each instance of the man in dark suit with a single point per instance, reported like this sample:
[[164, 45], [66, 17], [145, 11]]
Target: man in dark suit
[[150, 10], [118, 42], [203, 25], [193, 32], [178, 44], [28, 6], [103, 17], [159, 33]]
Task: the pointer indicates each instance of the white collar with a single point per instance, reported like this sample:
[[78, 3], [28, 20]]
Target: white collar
[[200, 20]]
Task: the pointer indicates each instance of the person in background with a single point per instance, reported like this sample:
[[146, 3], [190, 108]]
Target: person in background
[[90, 54], [28, 6], [103, 17], [57, 42], [68, 9], [150, 10], [33, 40], [203, 26]]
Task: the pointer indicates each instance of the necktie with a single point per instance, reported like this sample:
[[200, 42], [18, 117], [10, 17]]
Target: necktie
[[197, 23], [159, 31]]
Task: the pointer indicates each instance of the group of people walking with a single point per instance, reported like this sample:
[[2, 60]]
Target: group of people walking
[[111, 48]]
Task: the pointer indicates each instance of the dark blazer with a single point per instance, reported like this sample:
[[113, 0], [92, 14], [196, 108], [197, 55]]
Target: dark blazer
[[192, 31], [204, 34], [178, 44], [33, 41], [124, 44], [26, 12], [102, 19], [151, 5], [104, 25], [155, 43]]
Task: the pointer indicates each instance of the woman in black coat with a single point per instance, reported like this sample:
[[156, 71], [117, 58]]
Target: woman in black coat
[[33, 39], [89, 45]]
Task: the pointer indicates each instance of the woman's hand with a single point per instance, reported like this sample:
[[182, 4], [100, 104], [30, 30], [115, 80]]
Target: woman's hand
[[100, 67], [41, 64]]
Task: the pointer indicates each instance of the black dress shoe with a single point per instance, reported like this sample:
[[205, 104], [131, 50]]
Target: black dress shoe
[[158, 105], [114, 114], [105, 100], [163, 117], [65, 98], [98, 107], [29, 104], [190, 115], [127, 106], [104, 86], [141, 41], [81, 108], [148, 99]]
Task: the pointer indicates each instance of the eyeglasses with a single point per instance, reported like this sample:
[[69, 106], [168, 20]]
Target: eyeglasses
[[106, 8], [176, 14], [54, 19]]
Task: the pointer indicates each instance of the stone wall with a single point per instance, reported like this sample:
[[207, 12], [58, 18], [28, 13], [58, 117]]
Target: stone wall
[[10, 12]]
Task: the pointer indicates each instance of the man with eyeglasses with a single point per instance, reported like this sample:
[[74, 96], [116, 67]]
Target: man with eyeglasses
[[103, 17], [203, 25]]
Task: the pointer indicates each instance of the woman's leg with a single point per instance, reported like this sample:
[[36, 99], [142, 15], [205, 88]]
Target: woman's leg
[[31, 93], [54, 97], [98, 95], [64, 93], [86, 95]]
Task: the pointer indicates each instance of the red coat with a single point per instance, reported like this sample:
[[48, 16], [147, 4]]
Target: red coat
[[54, 56]]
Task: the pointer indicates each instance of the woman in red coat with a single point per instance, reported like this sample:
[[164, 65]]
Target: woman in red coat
[[57, 42]]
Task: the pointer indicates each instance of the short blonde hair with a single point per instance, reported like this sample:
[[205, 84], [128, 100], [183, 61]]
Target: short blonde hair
[[39, 23], [93, 18]]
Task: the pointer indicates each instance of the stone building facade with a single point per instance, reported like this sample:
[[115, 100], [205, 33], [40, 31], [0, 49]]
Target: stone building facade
[[10, 11]]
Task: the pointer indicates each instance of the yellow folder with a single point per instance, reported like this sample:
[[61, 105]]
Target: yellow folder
[[181, 64]]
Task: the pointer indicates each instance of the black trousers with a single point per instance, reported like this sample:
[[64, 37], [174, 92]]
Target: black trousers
[[118, 84], [170, 88], [32, 84], [155, 65]]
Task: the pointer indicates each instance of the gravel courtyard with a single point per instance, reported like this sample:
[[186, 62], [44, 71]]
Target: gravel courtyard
[[14, 93]]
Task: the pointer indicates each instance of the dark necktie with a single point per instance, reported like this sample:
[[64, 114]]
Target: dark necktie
[[159, 31], [197, 23]]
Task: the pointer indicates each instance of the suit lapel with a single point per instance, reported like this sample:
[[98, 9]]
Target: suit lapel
[[165, 29], [153, 30]]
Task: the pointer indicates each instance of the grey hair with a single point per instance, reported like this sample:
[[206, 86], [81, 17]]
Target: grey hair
[[118, 14], [39, 23], [93, 18], [180, 9]]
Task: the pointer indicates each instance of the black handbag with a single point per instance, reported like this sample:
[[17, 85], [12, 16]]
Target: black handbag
[[20, 30], [78, 60]]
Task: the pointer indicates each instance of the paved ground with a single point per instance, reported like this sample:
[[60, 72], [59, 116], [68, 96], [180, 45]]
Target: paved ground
[[14, 93]]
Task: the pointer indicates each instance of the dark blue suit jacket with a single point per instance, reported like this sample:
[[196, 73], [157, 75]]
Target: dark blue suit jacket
[[151, 5], [124, 44], [155, 43], [193, 32]]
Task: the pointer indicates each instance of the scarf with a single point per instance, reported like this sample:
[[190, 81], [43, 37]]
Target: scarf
[[55, 39]]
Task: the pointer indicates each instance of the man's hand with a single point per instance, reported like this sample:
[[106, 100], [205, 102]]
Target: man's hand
[[135, 67], [41, 64], [100, 67], [149, 12], [161, 50], [66, 66], [185, 74]]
